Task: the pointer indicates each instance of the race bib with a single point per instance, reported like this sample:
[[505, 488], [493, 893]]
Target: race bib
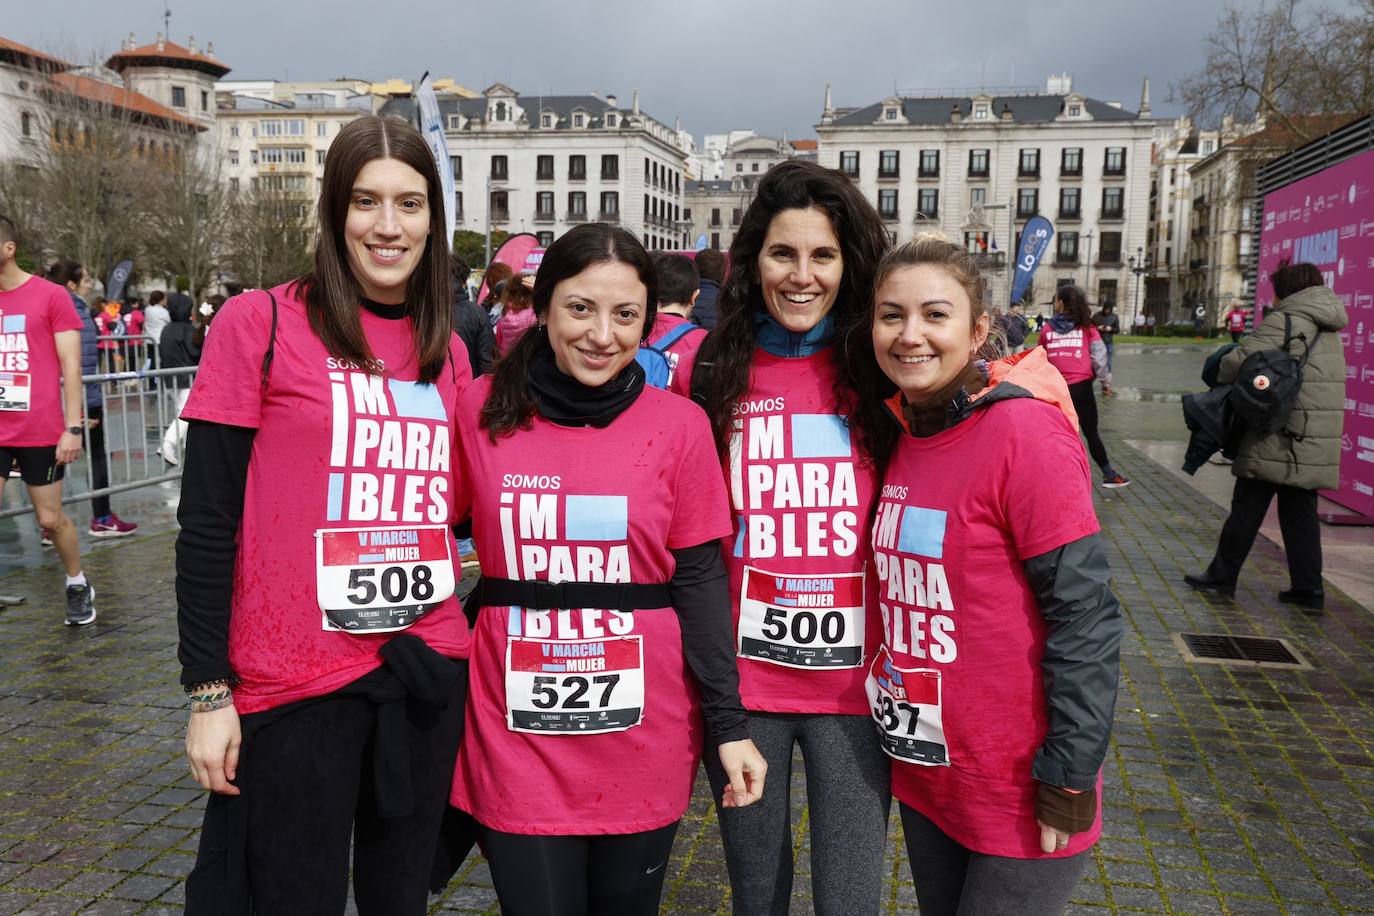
[[906, 705], [15, 388], [802, 621], [379, 580], [574, 686]]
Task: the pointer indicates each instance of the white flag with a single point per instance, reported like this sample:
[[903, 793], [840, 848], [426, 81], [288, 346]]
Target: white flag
[[432, 126]]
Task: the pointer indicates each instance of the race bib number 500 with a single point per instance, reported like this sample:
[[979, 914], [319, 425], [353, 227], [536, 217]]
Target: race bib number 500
[[574, 686], [802, 621], [379, 580], [906, 704]]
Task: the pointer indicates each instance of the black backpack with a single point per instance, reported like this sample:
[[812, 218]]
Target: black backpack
[[1266, 388]]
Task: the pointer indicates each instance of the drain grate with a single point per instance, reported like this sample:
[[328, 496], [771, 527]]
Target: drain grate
[[1221, 649]]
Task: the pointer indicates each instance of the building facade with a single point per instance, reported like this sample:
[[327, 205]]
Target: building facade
[[976, 167], [543, 164], [1223, 238], [274, 136]]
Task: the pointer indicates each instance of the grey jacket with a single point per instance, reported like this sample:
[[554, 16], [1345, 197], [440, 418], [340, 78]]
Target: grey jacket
[[1306, 453]]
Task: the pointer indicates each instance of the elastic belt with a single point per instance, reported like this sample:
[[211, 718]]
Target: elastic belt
[[622, 596]]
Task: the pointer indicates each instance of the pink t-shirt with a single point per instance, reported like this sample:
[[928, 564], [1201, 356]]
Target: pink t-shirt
[[683, 351], [963, 634], [1235, 320], [344, 537], [510, 326], [31, 412], [806, 616], [584, 721], [1071, 353], [133, 323]]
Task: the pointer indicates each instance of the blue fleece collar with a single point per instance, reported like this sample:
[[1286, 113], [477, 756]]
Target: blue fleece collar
[[777, 340]]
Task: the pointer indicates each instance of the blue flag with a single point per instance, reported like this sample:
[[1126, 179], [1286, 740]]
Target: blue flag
[[1035, 238], [432, 127]]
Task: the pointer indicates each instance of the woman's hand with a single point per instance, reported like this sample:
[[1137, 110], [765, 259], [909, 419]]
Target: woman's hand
[[746, 769], [212, 747], [1051, 839], [1061, 813]]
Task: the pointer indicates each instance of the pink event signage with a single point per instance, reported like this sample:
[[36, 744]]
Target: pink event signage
[[1328, 220]]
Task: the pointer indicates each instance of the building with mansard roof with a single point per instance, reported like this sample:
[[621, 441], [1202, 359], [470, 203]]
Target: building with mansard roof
[[544, 163], [975, 166]]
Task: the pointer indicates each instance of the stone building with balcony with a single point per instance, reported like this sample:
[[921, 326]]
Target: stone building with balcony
[[543, 164], [975, 166], [1224, 235]]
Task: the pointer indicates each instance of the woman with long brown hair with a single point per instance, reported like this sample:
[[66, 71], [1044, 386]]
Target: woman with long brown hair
[[774, 377], [321, 645]]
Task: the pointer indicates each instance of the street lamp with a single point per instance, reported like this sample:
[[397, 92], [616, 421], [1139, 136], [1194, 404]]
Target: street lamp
[[1139, 264]]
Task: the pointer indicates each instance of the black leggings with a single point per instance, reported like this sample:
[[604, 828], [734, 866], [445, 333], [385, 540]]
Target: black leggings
[[952, 880], [609, 875], [1085, 405]]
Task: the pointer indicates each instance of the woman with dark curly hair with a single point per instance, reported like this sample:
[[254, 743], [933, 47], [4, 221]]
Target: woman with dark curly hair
[[774, 379]]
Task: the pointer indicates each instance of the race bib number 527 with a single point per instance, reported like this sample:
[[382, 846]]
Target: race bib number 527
[[379, 580], [574, 686]]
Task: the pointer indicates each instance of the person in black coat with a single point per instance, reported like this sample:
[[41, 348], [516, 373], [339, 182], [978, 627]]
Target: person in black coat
[[470, 322]]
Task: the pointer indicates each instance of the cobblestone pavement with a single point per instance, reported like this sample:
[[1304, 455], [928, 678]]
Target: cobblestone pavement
[[1229, 790]]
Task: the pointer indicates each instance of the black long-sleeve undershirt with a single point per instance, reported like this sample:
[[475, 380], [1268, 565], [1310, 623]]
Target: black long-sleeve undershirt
[[700, 591]]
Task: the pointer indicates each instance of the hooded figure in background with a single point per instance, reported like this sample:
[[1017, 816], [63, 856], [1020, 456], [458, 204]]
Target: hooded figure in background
[[1297, 460], [177, 347]]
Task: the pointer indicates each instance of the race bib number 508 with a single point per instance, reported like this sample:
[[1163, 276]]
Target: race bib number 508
[[378, 580]]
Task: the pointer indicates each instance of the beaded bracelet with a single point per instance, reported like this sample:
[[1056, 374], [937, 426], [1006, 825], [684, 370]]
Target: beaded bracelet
[[211, 700]]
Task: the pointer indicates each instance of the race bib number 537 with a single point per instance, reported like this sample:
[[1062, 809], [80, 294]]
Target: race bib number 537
[[379, 580], [907, 705]]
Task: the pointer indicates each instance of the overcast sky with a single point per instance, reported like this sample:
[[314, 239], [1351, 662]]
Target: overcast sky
[[718, 64]]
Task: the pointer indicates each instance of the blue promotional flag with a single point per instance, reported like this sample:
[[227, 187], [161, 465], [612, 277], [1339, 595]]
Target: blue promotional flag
[[701, 244], [432, 127], [114, 289], [1035, 238]]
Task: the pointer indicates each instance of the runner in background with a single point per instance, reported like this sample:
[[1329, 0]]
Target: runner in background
[[320, 641], [774, 380], [1235, 322], [997, 679], [585, 726], [1075, 348], [40, 405], [674, 334]]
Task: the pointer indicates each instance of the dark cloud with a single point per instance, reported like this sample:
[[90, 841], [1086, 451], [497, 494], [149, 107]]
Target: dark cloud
[[719, 64]]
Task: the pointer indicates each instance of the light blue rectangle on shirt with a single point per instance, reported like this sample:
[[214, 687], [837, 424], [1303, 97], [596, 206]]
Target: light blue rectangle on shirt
[[414, 399], [597, 518], [923, 532], [334, 506], [13, 324], [819, 435]]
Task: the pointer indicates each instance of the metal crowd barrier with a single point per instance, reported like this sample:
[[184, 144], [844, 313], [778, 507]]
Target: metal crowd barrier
[[140, 418]]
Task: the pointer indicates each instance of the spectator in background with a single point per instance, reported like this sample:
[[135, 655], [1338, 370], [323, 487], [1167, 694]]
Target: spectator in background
[[496, 276], [470, 322], [156, 317], [516, 314], [1014, 328], [104, 523], [678, 289], [1108, 324], [1235, 322], [110, 324], [180, 348], [181, 298], [1302, 457], [711, 266]]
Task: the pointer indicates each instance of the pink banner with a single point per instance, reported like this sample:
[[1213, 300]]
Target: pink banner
[[1328, 220], [520, 252]]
